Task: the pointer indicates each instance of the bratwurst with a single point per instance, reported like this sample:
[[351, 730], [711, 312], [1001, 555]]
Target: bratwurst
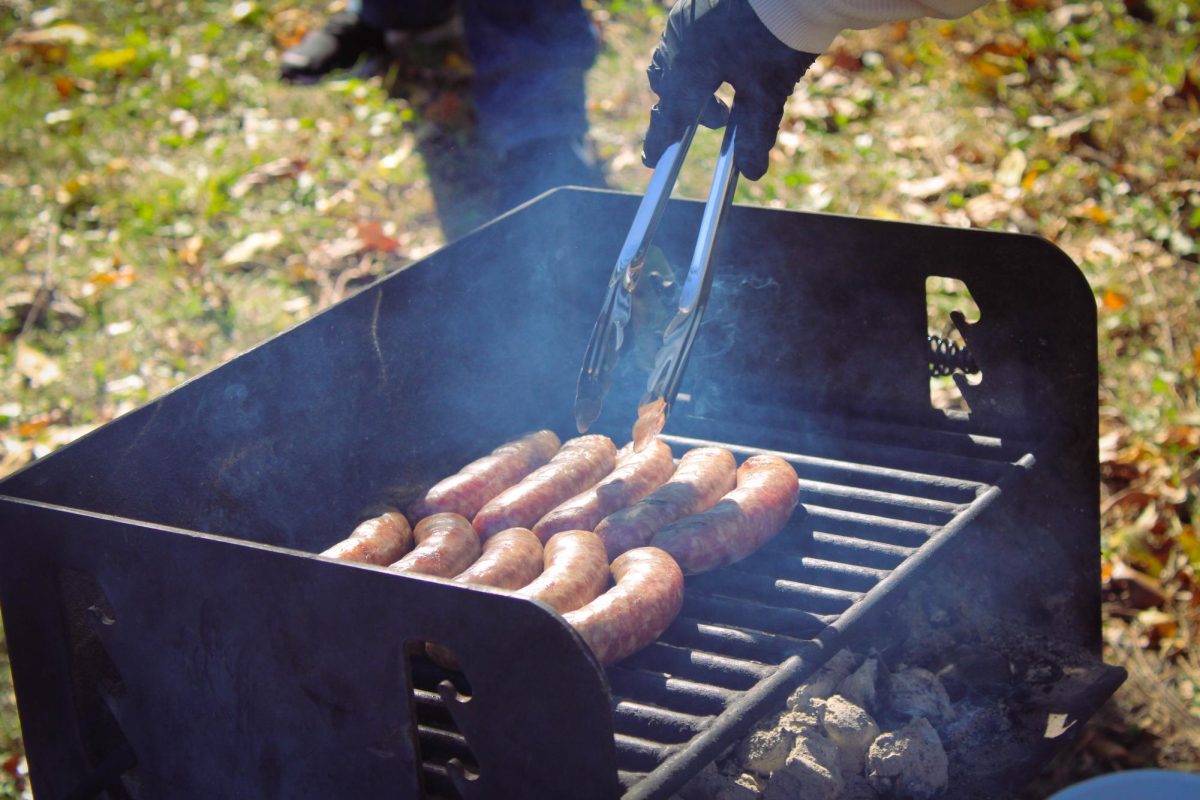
[[768, 490], [576, 571], [580, 463], [637, 475], [446, 545], [379, 540], [704, 476], [511, 559], [466, 492], [645, 601]]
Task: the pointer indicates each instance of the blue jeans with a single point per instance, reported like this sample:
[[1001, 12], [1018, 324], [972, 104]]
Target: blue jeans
[[530, 58]]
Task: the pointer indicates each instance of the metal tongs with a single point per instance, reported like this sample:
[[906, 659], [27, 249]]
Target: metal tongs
[[608, 335]]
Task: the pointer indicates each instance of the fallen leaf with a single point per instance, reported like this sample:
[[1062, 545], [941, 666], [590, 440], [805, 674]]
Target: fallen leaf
[[371, 234], [252, 245], [272, 170], [68, 33], [1114, 301], [924, 188], [114, 59], [38, 368]]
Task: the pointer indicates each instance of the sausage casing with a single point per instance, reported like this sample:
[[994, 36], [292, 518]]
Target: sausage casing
[[745, 519], [575, 573], [379, 540], [446, 545], [644, 602], [636, 475], [478, 482], [704, 476], [511, 559], [580, 463]]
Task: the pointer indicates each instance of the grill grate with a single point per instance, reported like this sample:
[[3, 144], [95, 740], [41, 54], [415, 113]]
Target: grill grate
[[867, 507]]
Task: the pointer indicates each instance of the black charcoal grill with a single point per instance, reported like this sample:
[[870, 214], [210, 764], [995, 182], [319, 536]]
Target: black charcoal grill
[[171, 637]]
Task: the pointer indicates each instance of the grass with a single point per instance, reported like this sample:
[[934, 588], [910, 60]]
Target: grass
[[166, 203]]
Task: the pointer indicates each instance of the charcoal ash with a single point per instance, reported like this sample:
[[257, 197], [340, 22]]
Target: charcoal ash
[[876, 726]]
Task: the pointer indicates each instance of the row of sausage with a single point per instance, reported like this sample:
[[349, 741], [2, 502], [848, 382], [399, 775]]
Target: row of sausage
[[546, 520]]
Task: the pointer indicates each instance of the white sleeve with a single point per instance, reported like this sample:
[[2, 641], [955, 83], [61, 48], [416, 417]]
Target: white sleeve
[[811, 25]]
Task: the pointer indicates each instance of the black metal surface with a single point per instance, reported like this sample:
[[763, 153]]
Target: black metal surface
[[228, 647]]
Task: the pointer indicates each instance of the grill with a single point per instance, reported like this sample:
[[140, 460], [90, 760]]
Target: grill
[[171, 636]]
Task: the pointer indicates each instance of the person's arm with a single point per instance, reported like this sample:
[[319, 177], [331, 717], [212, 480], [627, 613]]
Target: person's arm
[[760, 47]]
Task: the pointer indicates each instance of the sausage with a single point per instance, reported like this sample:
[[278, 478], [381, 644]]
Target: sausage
[[510, 560], [446, 545], [768, 489], [576, 572], [645, 601], [704, 476], [379, 540], [580, 463], [467, 491], [636, 476]]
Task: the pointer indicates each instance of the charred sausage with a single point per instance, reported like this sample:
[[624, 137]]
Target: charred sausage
[[636, 475], [768, 489], [580, 463], [576, 571], [467, 491], [704, 476], [645, 601], [446, 545], [379, 540]]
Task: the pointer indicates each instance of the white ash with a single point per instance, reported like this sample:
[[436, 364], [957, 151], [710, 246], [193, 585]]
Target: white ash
[[822, 684], [811, 772], [828, 742], [851, 728], [710, 784], [909, 762], [766, 749], [859, 687], [917, 692]]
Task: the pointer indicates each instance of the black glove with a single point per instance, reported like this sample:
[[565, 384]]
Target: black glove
[[710, 42]]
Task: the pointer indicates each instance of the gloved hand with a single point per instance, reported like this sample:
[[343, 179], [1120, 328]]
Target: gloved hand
[[710, 42]]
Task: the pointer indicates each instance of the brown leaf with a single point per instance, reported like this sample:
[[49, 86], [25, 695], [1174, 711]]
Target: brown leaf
[[370, 233], [272, 170], [1138, 589]]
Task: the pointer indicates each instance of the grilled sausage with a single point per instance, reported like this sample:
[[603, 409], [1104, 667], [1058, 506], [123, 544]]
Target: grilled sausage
[[467, 491], [704, 476], [446, 545], [576, 572], [379, 540], [580, 463], [645, 601], [768, 489], [636, 476], [651, 419], [510, 560]]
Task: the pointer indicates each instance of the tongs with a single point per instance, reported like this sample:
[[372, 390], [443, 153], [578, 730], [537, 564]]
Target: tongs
[[608, 335]]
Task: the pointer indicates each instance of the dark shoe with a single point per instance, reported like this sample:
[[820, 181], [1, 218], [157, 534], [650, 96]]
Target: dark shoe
[[538, 166], [339, 45]]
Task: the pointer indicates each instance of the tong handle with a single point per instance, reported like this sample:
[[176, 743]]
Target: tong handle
[[681, 333], [720, 198], [650, 211]]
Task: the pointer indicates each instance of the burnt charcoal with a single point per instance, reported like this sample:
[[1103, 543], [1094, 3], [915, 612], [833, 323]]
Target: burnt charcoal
[[909, 762]]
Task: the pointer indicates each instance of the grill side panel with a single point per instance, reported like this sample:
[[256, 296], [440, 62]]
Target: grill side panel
[[236, 670]]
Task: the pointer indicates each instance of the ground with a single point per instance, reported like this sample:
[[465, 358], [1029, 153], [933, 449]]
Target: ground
[[166, 203]]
